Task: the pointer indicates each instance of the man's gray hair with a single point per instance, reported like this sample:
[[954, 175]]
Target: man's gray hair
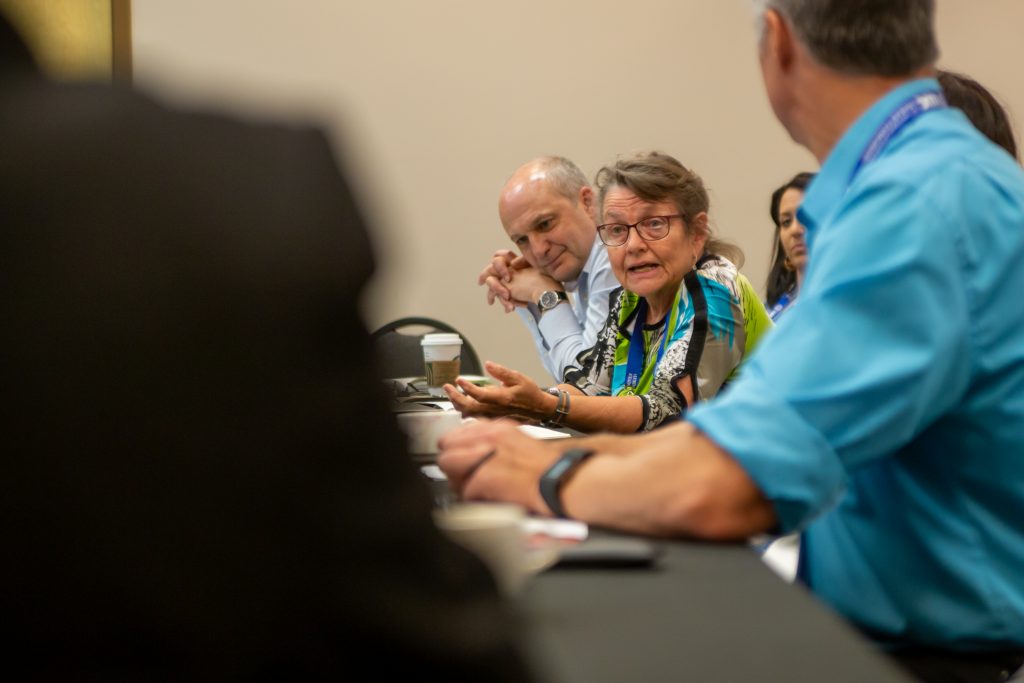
[[863, 37], [563, 175]]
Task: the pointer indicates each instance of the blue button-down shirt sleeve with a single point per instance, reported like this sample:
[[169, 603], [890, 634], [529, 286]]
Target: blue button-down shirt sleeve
[[870, 354], [564, 332]]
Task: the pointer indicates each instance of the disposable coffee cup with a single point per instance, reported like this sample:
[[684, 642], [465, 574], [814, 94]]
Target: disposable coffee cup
[[424, 428], [494, 532], [441, 360]]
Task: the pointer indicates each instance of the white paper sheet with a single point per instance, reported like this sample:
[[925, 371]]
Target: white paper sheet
[[542, 432]]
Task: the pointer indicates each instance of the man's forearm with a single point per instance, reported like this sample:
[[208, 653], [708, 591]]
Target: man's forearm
[[671, 482]]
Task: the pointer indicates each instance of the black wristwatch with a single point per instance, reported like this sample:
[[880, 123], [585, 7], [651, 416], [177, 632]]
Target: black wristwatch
[[548, 299], [552, 481]]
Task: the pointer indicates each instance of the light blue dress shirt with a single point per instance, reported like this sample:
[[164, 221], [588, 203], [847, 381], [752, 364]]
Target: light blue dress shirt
[[885, 414], [565, 331]]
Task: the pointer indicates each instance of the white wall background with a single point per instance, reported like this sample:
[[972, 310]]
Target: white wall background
[[433, 104]]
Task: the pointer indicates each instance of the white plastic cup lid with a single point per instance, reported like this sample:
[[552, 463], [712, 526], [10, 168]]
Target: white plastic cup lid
[[442, 339]]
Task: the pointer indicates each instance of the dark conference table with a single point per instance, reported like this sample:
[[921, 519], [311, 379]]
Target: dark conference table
[[703, 612]]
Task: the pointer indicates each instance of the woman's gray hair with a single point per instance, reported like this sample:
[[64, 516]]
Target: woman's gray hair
[[658, 177], [863, 37]]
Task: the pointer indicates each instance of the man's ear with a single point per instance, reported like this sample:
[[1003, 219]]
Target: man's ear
[[778, 43], [586, 198]]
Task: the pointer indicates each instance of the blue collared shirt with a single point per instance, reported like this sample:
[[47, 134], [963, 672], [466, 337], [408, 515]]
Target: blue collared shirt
[[566, 331], [885, 414]]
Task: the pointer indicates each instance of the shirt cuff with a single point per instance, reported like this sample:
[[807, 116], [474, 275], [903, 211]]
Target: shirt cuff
[[790, 461], [559, 322]]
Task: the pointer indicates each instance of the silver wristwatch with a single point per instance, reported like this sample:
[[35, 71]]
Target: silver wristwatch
[[548, 299]]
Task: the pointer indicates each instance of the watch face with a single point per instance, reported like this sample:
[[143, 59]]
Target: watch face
[[549, 300]]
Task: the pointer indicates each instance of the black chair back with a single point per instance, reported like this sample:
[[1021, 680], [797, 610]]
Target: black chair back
[[399, 352]]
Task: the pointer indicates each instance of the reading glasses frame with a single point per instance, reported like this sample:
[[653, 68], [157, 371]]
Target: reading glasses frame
[[642, 227]]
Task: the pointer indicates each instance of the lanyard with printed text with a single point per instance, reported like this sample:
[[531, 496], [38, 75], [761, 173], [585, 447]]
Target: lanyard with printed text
[[636, 362], [907, 112]]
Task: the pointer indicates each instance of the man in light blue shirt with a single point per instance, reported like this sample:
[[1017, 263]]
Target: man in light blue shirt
[[885, 415], [547, 209], [913, 415]]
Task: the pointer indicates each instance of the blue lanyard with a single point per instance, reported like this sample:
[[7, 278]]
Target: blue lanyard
[[780, 305], [635, 364], [907, 112]]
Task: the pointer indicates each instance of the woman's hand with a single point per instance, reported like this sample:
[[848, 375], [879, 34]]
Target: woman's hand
[[518, 395]]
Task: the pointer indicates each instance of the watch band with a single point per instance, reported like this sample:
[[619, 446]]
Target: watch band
[[561, 408], [552, 481], [547, 300]]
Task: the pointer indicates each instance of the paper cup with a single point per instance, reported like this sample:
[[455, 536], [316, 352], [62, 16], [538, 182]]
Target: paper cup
[[441, 360], [423, 429], [494, 533]]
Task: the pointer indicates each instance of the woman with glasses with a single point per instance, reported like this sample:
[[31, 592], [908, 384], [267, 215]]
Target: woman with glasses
[[676, 329]]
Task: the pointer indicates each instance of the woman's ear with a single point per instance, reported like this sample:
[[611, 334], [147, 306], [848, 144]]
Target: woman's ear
[[699, 232]]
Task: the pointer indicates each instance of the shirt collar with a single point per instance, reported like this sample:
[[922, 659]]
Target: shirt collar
[[829, 186], [588, 267]]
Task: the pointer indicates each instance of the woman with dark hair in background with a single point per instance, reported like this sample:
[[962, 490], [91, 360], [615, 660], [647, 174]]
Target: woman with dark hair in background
[[981, 108], [787, 271]]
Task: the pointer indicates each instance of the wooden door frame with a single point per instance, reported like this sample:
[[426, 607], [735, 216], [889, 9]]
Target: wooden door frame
[[121, 33]]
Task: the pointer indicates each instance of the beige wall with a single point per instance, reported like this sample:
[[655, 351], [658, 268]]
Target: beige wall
[[435, 103]]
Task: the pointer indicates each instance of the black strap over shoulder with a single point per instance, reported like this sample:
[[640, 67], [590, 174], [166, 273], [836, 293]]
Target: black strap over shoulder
[[700, 329]]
